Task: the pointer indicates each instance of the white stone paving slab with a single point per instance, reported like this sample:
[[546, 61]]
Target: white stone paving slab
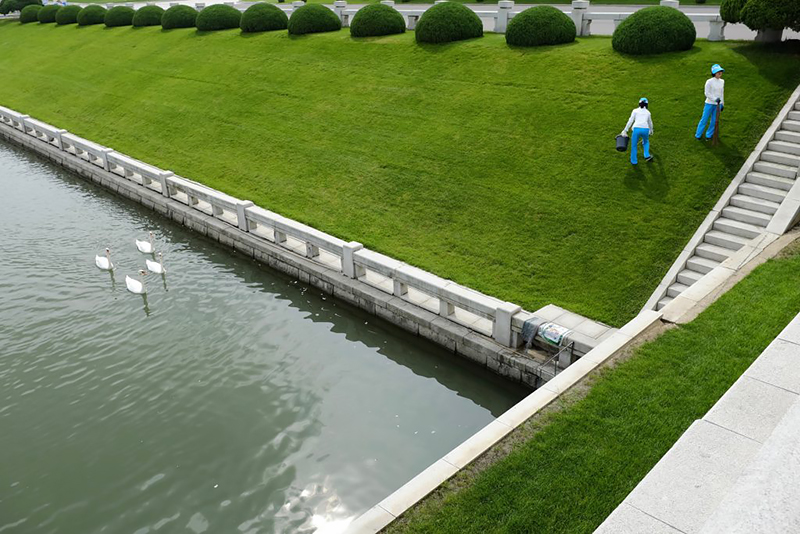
[[778, 365], [691, 480], [628, 520], [765, 498], [751, 408]]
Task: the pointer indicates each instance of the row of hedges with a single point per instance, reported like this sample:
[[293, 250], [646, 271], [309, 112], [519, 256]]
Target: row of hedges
[[651, 30]]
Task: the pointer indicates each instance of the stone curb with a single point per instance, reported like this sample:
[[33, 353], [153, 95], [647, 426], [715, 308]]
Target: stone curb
[[389, 509]]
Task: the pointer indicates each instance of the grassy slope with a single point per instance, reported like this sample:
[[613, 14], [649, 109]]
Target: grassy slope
[[488, 165], [587, 458]]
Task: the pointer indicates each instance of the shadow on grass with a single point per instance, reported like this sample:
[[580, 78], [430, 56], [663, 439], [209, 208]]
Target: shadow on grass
[[757, 53], [648, 177]]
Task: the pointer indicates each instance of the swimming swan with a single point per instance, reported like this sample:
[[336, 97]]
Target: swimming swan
[[156, 266], [146, 246], [136, 286], [104, 262]]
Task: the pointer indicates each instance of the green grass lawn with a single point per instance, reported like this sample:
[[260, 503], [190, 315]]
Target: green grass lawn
[[492, 166], [586, 459]]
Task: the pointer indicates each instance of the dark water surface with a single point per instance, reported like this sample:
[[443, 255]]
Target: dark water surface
[[231, 399]]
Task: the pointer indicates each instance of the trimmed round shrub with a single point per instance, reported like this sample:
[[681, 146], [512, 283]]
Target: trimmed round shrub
[[179, 17], [29, 13], [9, 6], [313, 18], [263, 18], [730, 10], [654, 30], [148, 16], [377, 19], [119, 16], [448, 22], [67, 15], [542, 25], [91, 15], [218, 17], [47, 14]]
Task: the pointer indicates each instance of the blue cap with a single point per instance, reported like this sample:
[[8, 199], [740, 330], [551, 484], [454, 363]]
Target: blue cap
[[715, 68], [643, 99]]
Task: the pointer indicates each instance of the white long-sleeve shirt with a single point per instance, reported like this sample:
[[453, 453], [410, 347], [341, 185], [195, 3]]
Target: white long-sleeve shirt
[[715, 88], [640, 118]]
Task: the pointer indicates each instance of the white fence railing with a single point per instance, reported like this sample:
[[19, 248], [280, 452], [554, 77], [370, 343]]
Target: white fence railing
[[496, 20], [476, 311]]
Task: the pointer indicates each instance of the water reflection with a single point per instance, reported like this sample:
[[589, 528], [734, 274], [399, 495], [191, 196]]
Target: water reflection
[[239, 400]]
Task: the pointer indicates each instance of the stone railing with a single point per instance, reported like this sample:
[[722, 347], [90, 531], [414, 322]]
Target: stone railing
[[478, 312], [496, 19]]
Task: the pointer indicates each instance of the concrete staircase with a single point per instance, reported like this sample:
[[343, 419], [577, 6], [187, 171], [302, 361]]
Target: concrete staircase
[[750, 209], [736, 470]]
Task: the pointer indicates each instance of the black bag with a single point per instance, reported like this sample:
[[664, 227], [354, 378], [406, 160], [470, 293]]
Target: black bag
[[622, 143]]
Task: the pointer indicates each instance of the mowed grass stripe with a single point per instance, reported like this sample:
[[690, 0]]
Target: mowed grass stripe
[[487, 165], [583, 462]]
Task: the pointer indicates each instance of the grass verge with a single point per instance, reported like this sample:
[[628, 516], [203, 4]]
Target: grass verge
[[488, 165], [581, 462]]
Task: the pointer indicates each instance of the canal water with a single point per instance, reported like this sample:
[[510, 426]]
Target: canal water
[[230, 399]]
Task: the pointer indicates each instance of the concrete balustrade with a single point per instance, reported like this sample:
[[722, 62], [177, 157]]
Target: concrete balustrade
[[43, 131], [477, 312], [583, 18]]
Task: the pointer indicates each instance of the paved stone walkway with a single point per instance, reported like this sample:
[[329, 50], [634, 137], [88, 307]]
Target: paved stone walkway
[[737, 469]]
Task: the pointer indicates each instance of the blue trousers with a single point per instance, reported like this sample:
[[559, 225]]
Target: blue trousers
[[709, 118], [644, 134]]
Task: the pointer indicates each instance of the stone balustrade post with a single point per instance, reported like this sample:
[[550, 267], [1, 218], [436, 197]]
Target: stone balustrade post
[[582, 24], [349, 267], [445, 308], [241, 216], [297, 4], [389, 3], [670, 3], [162, 178], [504, 8], [104, 158], [501, 328], [200, 6], [338, 7], [769, 36], [59, 133], [412, 22], [716, 31]]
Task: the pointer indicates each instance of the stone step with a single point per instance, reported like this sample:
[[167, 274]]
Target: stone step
[[746, 216], [755, 204], [689, 277], [793, 126], [784, 146], [781, 157], [794, 115], [776, 169], [676, 289], [770, 180], [701, 265], [749, 231], [725, 240], [786, 135], [713, 252], [663, 302]]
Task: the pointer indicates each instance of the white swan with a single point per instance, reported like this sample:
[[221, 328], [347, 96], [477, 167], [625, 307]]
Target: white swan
[[146, 246], [156, 266], [136, 286], [104, 262]]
